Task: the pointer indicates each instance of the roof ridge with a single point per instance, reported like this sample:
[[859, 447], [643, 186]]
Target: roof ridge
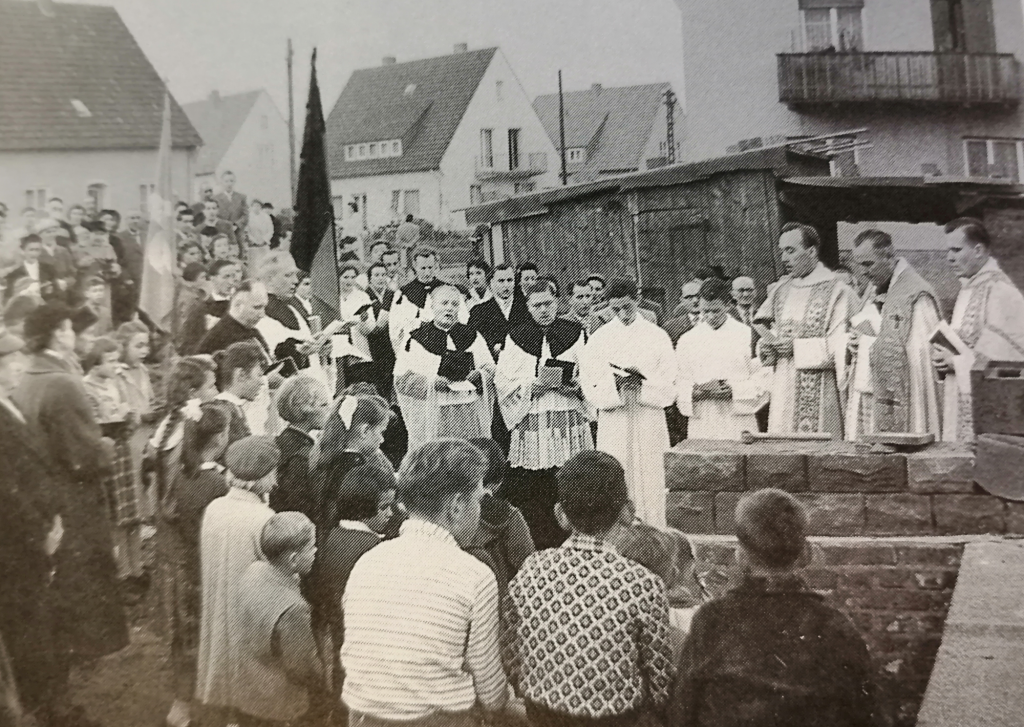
[[399, 64]]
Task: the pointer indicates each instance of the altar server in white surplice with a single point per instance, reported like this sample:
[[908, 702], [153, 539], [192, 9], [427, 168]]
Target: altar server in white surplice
[[720, 385], [808, 310], [628, 373], [988, 317], [892, 387]]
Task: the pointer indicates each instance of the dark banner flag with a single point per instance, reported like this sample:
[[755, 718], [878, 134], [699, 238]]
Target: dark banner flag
[[313, 246]]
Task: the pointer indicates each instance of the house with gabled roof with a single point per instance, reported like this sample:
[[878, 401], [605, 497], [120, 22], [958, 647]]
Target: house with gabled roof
[[432, 137], [611, 131], [81, 109], [244, 133]]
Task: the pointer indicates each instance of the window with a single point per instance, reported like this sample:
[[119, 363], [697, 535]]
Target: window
[[373, 150], [339, 207], [524, 187], [498, 88], [350, 152], [994, 158], [476, 194], [98, 192], [412, 202], [575, 155], [396, 148], [396, 200], [487, 148], [513, 148], [36, 198], [144, 191], [963, 26], [838, 29]]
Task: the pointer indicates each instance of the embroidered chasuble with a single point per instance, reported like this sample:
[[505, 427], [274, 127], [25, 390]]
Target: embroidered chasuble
[[631, 425], [550, 429], [989, 317], [813, 311], [460, 411], [707, 354], [891, 385]]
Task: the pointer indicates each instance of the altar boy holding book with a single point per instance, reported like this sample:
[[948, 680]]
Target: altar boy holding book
[[444, 376]]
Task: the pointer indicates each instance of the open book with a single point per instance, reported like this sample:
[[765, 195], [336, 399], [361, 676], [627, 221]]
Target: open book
[[945, 336]]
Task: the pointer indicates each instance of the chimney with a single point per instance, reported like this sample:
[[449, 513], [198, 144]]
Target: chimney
[[596, 88], [46, 8], [389, 61], [461, 48]]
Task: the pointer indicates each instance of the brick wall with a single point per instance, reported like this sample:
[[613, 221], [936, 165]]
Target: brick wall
[[847, 491], [896, 593]]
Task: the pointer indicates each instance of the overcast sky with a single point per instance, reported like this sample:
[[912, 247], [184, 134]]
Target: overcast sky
[[239, 45]]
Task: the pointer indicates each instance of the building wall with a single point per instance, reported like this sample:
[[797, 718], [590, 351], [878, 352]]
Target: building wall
[[259, 156], [730, 52], [68, 175], [378, 191], [486, 111]]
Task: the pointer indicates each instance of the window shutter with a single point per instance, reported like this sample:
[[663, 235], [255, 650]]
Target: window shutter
[[818, 4]]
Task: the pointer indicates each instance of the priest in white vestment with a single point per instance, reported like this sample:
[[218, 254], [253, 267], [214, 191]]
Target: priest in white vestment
[[720, 385], [413, 305], [988, 317], [628, 374], [444, 376], [892, 386], [808, 311]]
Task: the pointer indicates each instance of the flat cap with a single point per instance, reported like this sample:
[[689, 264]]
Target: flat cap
[[252, 458]]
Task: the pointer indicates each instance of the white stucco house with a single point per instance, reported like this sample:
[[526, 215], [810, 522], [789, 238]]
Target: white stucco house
[[81, 109], [432, 137], [244, 133]]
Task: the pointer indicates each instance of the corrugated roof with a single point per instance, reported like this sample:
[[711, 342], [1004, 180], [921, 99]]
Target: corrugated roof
[[379, 103], [84, 52], [617, 121], [218, 120]]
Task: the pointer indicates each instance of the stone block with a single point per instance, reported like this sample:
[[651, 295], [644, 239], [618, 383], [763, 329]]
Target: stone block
[[850, 472], [941, 469], [783, 470], [968, 514], [856, 580], [834, 514], [898, 514], [690, 512], [864, 553], [937, 555], [917, 578], [712, 470], [725, 512], [820, 579]]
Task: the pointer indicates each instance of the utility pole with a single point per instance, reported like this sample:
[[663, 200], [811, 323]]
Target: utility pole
[[670, 125], [291, 122], [561, 129]]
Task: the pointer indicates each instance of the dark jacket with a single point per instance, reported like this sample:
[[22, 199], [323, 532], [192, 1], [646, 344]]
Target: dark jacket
[[326, 583], [326, 479], [47, 281], [294, 491], [502, 539], [488, 319], [773, 653], [88, 607], [194, 325], [29, 500], [226, 332]]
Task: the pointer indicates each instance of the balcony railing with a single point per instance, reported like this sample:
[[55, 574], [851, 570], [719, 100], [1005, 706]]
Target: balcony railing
[[807, 79], [530, 165]]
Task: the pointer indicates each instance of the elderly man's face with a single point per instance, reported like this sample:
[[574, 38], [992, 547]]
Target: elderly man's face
[[543, 307], [445, 302], [251, 307], [743, 292], [876, 265], [283, 283]]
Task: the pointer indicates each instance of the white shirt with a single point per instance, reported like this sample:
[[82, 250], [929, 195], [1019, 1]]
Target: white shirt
[[32, 269], [505, 305]]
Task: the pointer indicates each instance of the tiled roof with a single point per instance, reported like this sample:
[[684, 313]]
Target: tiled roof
[[86, 53], [617, 120], [218, 120], [419, 102]]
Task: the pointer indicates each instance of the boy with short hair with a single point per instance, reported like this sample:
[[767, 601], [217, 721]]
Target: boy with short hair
[[583, 615], [278, 662]]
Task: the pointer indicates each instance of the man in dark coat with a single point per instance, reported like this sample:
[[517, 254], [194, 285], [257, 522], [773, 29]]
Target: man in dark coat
[[248, 306], [88, 613], [204, 313], [30, 528], [491, 318], [124, 290], [43, 276]]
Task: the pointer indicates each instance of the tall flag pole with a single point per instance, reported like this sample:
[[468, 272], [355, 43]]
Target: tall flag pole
[[313, 238], [156, 297]]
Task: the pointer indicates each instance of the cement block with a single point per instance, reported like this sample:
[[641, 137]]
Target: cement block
[[898, 514], [713, 470], [857, 473], [725, 512], [782, 470], [834, 514], [968, 514], [690, 512], [941, 469]]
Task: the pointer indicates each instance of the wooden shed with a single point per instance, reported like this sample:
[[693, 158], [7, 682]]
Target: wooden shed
[[661, 226]]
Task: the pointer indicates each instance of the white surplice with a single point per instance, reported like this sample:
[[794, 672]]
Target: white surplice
[[631, 427], [405, 317], [430, 414], [708, 354], [791, 304], [924, 399], [989, 317]]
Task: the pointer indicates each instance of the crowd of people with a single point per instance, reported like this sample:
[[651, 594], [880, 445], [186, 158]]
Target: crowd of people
[[518, 564]]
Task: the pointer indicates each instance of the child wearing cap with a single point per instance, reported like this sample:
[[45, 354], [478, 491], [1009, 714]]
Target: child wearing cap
[[583, 615], [771, 651], [278, 666], [229, 543]]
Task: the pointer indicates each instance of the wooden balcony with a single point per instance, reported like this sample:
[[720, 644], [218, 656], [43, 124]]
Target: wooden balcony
[[961, 79]]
